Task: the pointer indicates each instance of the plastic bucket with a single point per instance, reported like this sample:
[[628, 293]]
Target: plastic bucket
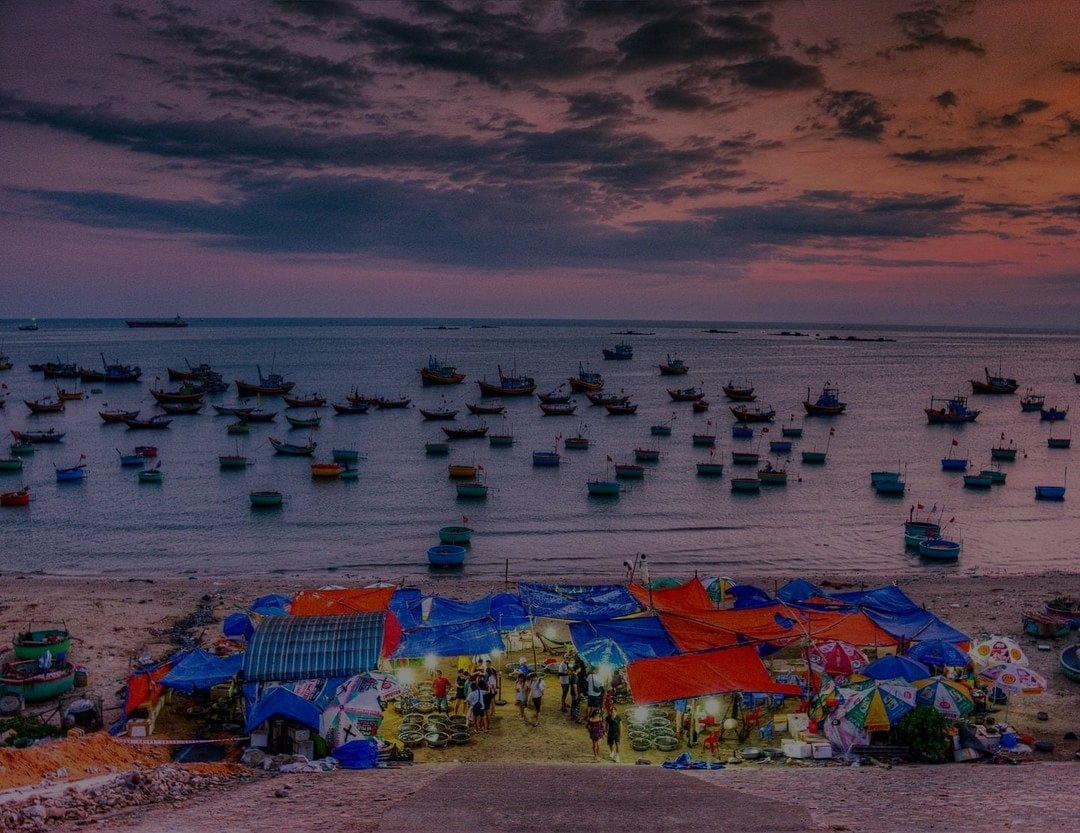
[[82, 677]]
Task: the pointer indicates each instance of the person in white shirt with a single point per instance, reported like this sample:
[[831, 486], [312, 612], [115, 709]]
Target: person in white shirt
[[536, 694], [564, 681]]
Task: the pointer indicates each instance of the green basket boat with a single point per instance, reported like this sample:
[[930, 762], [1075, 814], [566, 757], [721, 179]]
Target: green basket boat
[[260, 500], [33, 644], [33, 684], [460, 535], [10, 464]]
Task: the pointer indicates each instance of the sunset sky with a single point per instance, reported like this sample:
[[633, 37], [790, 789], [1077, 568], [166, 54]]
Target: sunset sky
[[858, 161]]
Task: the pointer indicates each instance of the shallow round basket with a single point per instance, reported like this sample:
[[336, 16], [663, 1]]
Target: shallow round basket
[[666, 743], [436, 740], [774, 753], [638, 733], [660, 732], [641, 744], [438, 718], [425, 706], [458, 719], [751, 753], [412, 739], [657, 723], [460, 738]]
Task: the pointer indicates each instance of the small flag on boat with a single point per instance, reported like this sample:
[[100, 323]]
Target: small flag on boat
[[1002, 435], [953, 518], [764, 430], [954, 442], [479, 468], [921, 506], [832, 432], [609, 458], [464, 519], [82, 456]]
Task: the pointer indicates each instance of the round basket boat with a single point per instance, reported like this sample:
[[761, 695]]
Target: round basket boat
[[458, 720], [641, 744], [666, 743], [436, 740]]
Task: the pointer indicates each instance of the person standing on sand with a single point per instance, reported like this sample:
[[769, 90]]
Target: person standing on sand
[[563, 669], [521, 693], [536, 694], [614, 734], [578, 681], [475, 701], [440, 687], [594, 724], [494, 685], [594, 688], [460, 692]]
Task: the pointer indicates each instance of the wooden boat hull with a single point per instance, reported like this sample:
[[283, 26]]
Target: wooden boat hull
[[248, 389], [310, 422], [177, 396], [621, 352], [326, 470], [311, 402], [704, 440], [628, 471], [748, 415], [485, 409], [1053, 414], [1058, 442], [392, 404], [558, 410], [581, 386], [465, 433], [265, 500], [1031, 405], [604, 488], [686, 395], [740, 458], [348, 410], [437, 449], [436, 377], [44, 407], [745, 484], [576, 443], [459, 535], [34, 644], [20, 497], [500, 440], [890, 487], [1045, 627], [231, 461], [472, 490], [739, 394], [994, 475], [18, 678], [816, 457], [1049, 493], [660, 430], [38, 437], [446, 555], [673, 370], [710, 469], [152, 424], [772, 478], [940, 416], [291, 449], [256, 416], [345, 455], [954, 464], [779, 446], [739, 431], [70, 475], [646, 455], [460, 470], [1003, 454], [701, 406], [11, 464], [545, 458], [791, 432], [151, 476], [489, 389], [824, 410], [620, 410]]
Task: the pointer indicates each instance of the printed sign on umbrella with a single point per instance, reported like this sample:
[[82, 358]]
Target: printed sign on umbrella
[[356, 710], [837, 658], [1013, 679], [878, 707], [951, 698], [995, 650]]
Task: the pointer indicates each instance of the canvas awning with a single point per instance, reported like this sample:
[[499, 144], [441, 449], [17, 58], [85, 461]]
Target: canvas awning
[[775, 623], [454, 640], [687, 597], [578, 602], [621, 641], [703, 674], [202, 670], [851, 626], [288, 648]]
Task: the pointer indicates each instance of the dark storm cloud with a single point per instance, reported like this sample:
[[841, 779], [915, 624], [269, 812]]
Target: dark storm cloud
[[1057, 231], [322, 10], [817, 51], [777, 72], [924, 27], [945, 156], [946, 99], [678, 96], [681, 40], [858, 114], [1014, 117], [597, 104]]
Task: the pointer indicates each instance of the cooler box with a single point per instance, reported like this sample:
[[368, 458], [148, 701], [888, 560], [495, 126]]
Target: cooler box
[[796, 748], [821, 750], [139, 728], [299, 735], [797, 722], [305, 748]]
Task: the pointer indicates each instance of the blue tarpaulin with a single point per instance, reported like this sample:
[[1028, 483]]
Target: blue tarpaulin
[[283, 701], [452, 612], [274, 604], [202, 670], [796, 590], [286, 648], [237, 624], [454, 640], [747, 595], [358, 754], [405, 605], [508, 612], [893, 611], [580, 603], [621, 641]]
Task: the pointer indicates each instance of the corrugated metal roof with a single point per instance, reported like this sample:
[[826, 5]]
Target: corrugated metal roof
[[286, 648]]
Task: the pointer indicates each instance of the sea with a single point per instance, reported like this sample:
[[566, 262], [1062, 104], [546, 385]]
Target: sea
[[538, 522]]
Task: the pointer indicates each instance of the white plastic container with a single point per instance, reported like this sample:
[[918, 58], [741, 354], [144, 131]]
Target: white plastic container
[[797, 722], [796, 748], [821, 751]]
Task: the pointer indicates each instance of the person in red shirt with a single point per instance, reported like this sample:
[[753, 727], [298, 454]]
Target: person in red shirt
[[440, 687]]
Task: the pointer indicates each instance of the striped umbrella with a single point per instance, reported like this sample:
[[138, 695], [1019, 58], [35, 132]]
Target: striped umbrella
[[878, 707], [951, 698], [837, 658]]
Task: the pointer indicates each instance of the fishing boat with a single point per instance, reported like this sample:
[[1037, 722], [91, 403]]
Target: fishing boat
[[745, 458], [33, 644], [115, 372], [1032, 401], [459, 535], [629, 471], [237, 428], [192, 374], [739, 394], [691, 394], [554, 397], [1053, 414], [146, 450], [917, 529], [350, 409], [954, 463], [49, 436], [996, 475], [70, 395], [951, 411], [978, 481], [890, 487], [383, 404], [704, 440], [20, 497], [327, 470], [620, 352], [500, 440], [311, 421], [1069, 661], [71, 474], [154, 475], [586, 381], [745, 484], [33, 683], [357, 398], [1058, 442], [29, 327], [647, 455], [59, 370], [156, 422], [1004, 452], [882, 476], [181, 408], [472, 489], [265, 499], [576, 443], [232, 461], [663, 429], [701, 406], [744, 414], [45, 405], [292, 449], [256, 415], [437, 373], [545, 459], [558, 409], [939, 549], [9, 464], [312, 400], [142, 323], [231, 410], [814, 457], [674, 366], [1049, 493], [742, 431], [273, 384], [21, 448], [1044, 627], [1065, 608], [130, 460], [770, 476], [349, 472], [779, 446], [607, 398], [344, 455], [466, 432], [604, 488], [710, 468], [446, 555], [827, 404], [790, 429], [508, 385], [187, 392], [994, 384], [620, 408], [493, 408], [461, 470], [437, 449]]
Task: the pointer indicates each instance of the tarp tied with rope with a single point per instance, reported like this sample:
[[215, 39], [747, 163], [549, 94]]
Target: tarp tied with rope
[[578, 602], [457, 639], [776, 624], [702, 674], [340, 600], [686, 597], [288, 648], [621, 641]]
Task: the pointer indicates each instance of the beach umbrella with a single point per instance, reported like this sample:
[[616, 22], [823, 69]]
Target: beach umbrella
[[940, 653], [892, 666], [717, 588], [997, 650], [1013, 678], [951, 698], [843, 734], [877, 707], [356, 708], [837, 658]]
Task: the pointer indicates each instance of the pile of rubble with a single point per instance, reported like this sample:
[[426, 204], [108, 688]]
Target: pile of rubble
[[170, 782], [257, 759]]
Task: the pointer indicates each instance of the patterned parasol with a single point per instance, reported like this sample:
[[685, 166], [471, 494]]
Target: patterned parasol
[[995, 650], [951, 698], [837, 658]]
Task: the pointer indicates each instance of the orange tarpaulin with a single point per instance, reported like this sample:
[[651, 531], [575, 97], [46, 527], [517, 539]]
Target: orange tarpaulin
[[689, 597], [659, 679], [853, 627], [703, 630], [352, 600]]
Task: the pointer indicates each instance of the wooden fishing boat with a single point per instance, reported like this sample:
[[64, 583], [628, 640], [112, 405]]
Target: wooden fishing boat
[[345, 455], [461, 470], [20, 497], [939, 549], [70, 474], [232, 461], [742, 431], [187, 392], [238, 428], [620, 352], [437, 449], [472, 489], [22, 448], [996, 476], [293, 449], [1058, 442], [312, 400], [954, 464], [1032, 401], [493, 408], [500, 440], [710, 469], [154, 475], [977, 481], [890, 487], [554, 397], [559, 409], [49, 436], [256, 415], [882, 476], [45, 405], [29, 327], [629, 471], [9, 464], [192, 374], [1045, 627], [1069, 661], [131, 460], [59, 370], [827, 404], [647, 455], [349, 473], [181, 408], [327, 470], [607, 398], [311, 421], [586, 381], [350, 409], [701, 406], [745, 458], [458, 535], [691, 394], [357, 398], [744, 414], [604, 488], [392, 404], [446, 555], [273, 384], [994, 384], [770, 476], [705, 440], [265, 499], [745, 484], [674, 366], [1003, 452], [916, 530], [951, 411], [115, 372], [146, 450], [1053, 414], [33, 683], [70, 395], [738, 394], [231, 410], [467, 432], [5, 362], [437, 373], [779, 446], [790, 429], [662, 430], [33, 644], [1049, 493], [578, 443], [620, 408], [156, 422], [508, 385], [545, 459]]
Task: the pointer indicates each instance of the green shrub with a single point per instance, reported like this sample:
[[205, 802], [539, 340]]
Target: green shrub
[[923, 730]]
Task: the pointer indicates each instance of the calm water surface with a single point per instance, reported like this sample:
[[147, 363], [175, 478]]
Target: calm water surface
[[827, 519]]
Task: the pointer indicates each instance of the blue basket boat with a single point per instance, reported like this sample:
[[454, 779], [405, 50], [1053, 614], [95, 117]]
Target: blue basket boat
[[446, 555]]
